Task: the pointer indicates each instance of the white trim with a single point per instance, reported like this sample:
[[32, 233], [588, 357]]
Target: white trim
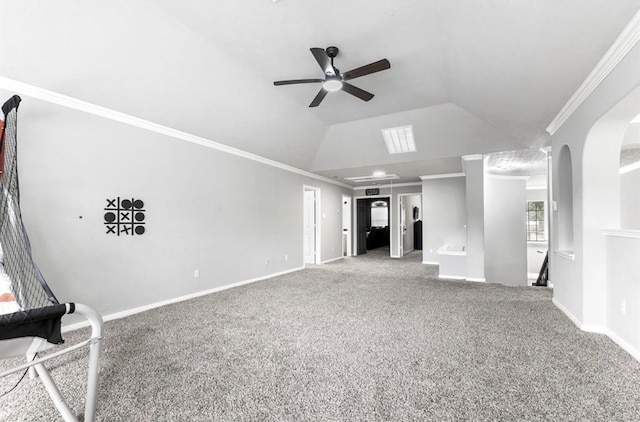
[[455, 253], [477, 279], [622, 343], [472, 157], [616, 53], [632, 234], [451, 277], [332, 260], [532, 275], [630, 167], [539, 187], [442, 176], [398, 185], [133, 311], [588, 328], [400, 232], [431, 262], [75, 104], [565, 254], [446, 250], [635, 353], [568, 314]]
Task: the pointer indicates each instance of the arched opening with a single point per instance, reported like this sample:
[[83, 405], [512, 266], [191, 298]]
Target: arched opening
[[609, 261], [565, 202], [630, 177]]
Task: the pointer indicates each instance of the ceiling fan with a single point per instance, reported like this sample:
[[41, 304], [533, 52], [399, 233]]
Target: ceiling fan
[[334, 80]]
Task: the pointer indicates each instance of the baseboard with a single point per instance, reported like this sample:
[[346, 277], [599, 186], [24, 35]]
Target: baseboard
[[332, 260], [635, 353], [626, 346], [133, 311], [430, 263], [476, 279], [568, 314], [533, 276], [452, 277]]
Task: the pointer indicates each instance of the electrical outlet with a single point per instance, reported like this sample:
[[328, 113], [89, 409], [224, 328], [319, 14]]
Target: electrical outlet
[[267, 261], [623, 307], [196, 273]]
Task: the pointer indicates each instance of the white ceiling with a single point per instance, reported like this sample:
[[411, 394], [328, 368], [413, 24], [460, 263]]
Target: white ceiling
[[470, 76]]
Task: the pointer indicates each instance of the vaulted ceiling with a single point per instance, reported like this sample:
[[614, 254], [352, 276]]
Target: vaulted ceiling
[[470, 76]]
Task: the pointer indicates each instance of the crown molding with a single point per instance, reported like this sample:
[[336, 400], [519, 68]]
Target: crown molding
[[442, 176], [616, 53], [397, 185], [107, 113], [472, 157]]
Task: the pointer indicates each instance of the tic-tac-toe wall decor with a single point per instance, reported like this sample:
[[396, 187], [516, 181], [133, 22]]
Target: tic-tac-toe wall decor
[[125, 216]]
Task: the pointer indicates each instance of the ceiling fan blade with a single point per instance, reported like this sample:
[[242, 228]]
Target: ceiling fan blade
[[316, 101], [354, 90], [323, 60], [367, 69], [297, 81]]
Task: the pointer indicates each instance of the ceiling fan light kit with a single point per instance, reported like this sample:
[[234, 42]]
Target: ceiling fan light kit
[[333, 79]]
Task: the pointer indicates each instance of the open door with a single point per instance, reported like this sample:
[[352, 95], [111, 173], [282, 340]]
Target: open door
[[346, 225]]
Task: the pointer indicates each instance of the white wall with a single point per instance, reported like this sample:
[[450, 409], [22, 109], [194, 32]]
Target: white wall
[[594, 132], [205, 209], [392, 192], [444, 212], [630, 200], [475, 224], [505, 231], [623, 289]]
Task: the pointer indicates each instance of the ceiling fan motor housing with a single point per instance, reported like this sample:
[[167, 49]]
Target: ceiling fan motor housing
[[332, 51]]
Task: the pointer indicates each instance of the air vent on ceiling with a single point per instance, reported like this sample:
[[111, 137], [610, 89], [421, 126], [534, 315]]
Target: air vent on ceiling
[[399, 140]]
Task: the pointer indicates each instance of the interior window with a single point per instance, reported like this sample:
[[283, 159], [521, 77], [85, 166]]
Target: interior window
[[535, 221]]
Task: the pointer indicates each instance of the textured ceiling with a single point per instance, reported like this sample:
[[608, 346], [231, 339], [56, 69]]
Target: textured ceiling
[[472, 77]]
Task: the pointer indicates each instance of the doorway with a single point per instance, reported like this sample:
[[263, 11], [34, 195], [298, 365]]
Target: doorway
[[410, 223], [311, 225], [373, 216]]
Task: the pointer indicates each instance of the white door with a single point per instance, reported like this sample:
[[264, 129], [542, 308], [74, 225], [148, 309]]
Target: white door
[[346, 225], [309, 232]]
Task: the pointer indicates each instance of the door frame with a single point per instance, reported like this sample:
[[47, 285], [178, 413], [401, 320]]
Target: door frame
[[399, 228], [355, 219], [317, 229], [346, 208]]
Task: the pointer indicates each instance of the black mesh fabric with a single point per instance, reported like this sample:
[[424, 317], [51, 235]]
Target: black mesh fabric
[[41, 322], [40, 311]]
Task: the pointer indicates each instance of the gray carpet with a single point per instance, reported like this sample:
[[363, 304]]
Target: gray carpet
[[362, 339]]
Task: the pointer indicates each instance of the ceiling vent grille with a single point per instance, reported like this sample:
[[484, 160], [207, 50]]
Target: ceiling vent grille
[[399, 140]]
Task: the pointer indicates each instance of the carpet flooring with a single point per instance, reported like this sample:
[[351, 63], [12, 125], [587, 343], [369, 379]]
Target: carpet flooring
[[360, 339]]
